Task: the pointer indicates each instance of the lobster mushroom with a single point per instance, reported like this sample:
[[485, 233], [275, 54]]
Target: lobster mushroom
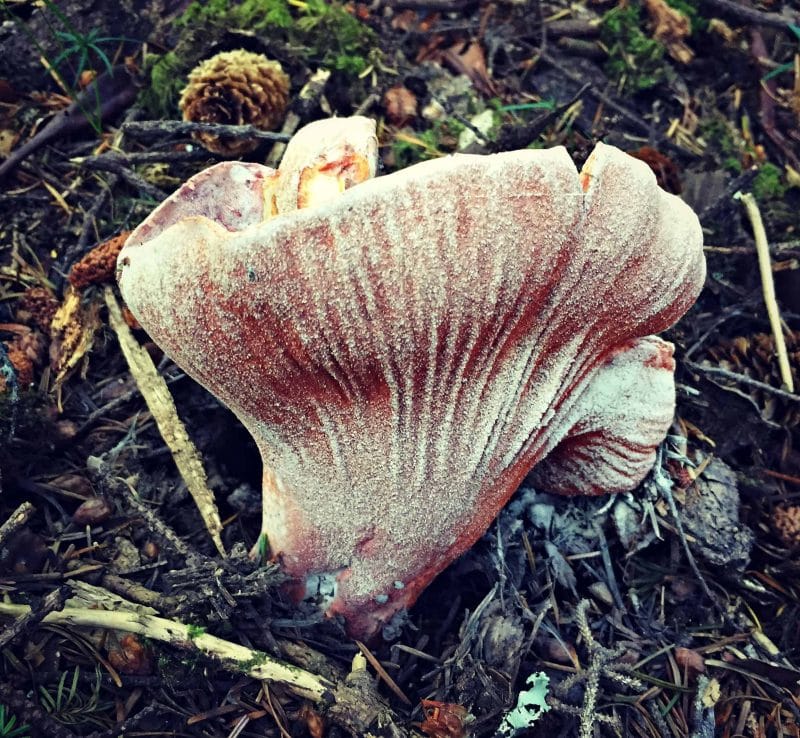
[[406, 349]]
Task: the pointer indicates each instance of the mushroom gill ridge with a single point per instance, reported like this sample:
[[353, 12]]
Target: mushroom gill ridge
[[405, 353]]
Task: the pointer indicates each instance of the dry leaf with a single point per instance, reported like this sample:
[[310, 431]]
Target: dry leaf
[[130, 656], [72, 333], [469, 59], [400, 105], [690, 661], [8, 140], [670, 27]]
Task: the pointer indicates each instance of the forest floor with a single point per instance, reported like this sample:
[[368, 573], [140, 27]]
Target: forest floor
[[671, 611]]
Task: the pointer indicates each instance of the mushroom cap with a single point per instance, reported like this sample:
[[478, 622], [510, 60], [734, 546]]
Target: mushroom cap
[[406, 352], [613, 427]]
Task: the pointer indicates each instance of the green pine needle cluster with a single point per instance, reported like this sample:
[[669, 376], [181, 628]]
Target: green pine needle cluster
[[9, 727]]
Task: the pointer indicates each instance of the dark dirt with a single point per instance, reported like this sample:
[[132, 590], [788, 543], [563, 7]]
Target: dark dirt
[[672, 612]]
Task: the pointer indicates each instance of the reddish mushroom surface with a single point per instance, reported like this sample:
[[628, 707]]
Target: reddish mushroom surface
[[407, 348]]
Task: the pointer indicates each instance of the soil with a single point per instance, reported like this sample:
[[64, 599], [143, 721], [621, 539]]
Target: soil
[[668, 611]]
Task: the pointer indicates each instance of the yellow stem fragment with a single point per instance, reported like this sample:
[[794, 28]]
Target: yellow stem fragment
[[768, 286], [160, 403]]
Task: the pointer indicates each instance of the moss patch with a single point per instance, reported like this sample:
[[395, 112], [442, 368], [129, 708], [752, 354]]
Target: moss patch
[[634, 59], [313, 32], [769, 184]]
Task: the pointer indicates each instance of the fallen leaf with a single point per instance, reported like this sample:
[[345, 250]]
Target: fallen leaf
[[8, 139], [469, 59], [690, 660], [72, 333], [670, 27]]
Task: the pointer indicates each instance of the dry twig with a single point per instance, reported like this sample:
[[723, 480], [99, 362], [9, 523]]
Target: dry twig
[[161, 128], [750, 15], [51, 601], [743, 379], [768, 286], [308, 96], [16, 520], [255, 664]]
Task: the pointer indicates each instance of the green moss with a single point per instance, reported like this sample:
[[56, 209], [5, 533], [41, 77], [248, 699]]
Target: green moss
[[733, 164], [318, 31], [438, 140], [718, 132], [408, 150], [769, 184], [259, 658], [632, 55], [195, 631], [167, 79], [724, 142], [255, 15], [333, 36]]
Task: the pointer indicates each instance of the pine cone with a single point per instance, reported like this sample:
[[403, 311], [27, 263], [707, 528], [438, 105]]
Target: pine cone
[[235, 88], [37, 307]]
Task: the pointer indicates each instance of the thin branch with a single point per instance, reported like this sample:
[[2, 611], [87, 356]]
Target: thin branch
[[445, 6], [639, 123], [25, 621], [128, 159], [16, 520], [751, 15], [117, 165], [743, 379], [159, 128]]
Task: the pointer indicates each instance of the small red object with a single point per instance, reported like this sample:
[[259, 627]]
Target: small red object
[[443, 719]]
